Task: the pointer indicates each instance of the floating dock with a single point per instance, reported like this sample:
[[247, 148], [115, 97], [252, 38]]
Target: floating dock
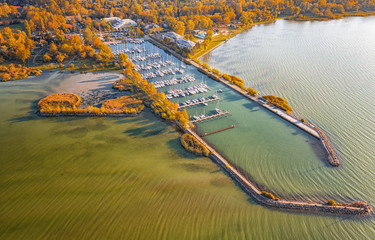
[[199, 102], [216, 115], [220, 130], [187, 91]]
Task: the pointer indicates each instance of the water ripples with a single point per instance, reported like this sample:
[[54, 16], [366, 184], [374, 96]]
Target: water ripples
[[325, 70]]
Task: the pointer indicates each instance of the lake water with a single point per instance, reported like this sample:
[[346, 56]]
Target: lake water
[[128, 178], [326, 72]]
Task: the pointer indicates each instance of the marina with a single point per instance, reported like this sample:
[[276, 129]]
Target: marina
[[182, 92], [174, 88], [174, 81], [176, 93], [200, 101], [246, 185]]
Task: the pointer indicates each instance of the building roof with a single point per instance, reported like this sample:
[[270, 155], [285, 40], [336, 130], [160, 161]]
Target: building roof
[[186, 43], [125, 23], [173, 35], [112, 19], [147, 26]]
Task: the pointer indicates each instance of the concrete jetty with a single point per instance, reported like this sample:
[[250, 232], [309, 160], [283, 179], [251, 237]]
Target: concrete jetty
[[199, 102], [216, 131]]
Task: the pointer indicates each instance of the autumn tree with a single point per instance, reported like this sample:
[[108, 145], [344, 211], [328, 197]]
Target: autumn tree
[[22, 53], [28, 29], [209, 35], [252, 91], [47, 58], [88, 35], [15, 45]]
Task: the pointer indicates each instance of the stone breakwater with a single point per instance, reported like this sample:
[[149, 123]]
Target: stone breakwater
[[249, 187], [255, 193]]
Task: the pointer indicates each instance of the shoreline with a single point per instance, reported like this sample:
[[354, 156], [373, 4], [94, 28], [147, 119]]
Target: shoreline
[[216, 46], [290, 18], [251, 188]]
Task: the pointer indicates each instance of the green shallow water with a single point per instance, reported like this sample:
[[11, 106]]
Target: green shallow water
[[96, 178]]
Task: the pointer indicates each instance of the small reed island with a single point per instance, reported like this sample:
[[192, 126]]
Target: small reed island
[[191, 144], [67, 104]]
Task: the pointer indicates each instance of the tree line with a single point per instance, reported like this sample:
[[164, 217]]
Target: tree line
[[180, 16]]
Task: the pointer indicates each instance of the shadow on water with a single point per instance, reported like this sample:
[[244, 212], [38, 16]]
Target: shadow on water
[[151, 129], [231, 98], [319, 151], [103, 86], [31, 113], [111, 77], [252, 106], [175, 146], [82, 129], [145, 117]]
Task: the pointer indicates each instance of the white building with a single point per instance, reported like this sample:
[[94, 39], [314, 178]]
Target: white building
[[124, 23], [112, 20], [179, 40], [119, 23], [172, 36], [184, 43]]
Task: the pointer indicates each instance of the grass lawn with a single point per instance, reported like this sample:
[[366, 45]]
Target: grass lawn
[[214, 43], [14, 27]]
